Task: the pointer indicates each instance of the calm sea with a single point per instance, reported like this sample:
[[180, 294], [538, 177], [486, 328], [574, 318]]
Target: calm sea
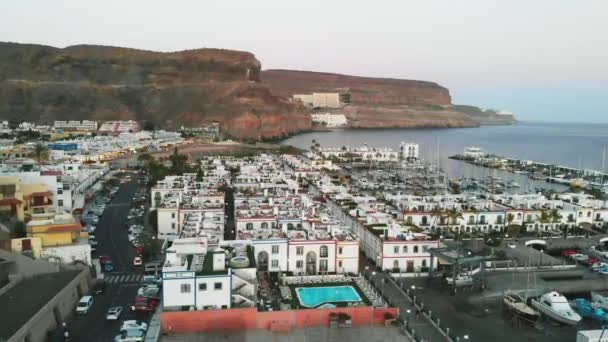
[[572, 144]]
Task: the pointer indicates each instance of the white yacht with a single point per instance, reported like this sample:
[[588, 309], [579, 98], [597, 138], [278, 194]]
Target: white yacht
[[556, 306]]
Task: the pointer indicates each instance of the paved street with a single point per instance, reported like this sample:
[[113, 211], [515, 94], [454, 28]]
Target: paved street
[[422, 327], [122, 283]]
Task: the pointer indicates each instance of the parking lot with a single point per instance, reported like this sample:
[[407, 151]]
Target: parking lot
[[114, 245]]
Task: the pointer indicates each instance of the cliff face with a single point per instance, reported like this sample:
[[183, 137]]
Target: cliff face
[[169, 89], [382, 102]]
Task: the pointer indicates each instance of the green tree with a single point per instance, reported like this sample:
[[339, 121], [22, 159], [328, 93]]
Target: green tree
[[178, 162], [453, 215], [146, 158], [40, 153]]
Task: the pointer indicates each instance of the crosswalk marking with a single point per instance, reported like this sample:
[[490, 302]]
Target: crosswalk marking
[[123, 278]]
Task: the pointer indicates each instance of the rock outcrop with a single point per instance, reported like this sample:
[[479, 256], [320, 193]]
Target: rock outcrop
[[42, 83], [382, 102]]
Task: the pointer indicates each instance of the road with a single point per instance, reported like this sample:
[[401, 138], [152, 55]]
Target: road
[[122, 283]]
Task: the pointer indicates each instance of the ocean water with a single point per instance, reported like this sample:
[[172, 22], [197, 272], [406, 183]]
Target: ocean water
[[572, 144]]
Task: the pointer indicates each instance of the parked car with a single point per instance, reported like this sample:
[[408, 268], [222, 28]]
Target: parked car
[[103, 259], [84, 304], [144, 304], [595, 267], [108, 266], [568, 252], [130, 335], [92, 241], [590, 261], [137, 261], [152, 288], [134, 324], [579, 257], [113, 313], [100, 286], [137, 250]]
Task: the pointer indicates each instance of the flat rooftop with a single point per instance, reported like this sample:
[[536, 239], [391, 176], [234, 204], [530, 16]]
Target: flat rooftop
[[19, 304]]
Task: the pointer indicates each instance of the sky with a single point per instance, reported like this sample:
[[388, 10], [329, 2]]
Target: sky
[[544, 60]]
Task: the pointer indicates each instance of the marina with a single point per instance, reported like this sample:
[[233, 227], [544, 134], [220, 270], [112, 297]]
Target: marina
[[551, 173]]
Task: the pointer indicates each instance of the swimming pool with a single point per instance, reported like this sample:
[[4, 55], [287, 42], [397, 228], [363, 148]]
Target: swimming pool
[[311, 297]]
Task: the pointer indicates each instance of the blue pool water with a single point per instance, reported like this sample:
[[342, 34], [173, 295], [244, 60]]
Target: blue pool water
[[311, 297]]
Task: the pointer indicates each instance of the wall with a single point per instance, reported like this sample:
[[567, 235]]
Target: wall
[[249, 318], [69, 253]]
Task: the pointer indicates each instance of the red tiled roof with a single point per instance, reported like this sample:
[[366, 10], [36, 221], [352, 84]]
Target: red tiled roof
[[65, 228], [51, 173], [38, 194], [8, 201]]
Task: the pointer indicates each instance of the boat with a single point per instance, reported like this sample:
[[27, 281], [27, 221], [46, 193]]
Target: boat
[[599, 299], [516, 304], [460, 280], [586, 309], [555, 306]]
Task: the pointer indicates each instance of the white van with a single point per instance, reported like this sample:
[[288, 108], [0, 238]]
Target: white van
[[84, 304]]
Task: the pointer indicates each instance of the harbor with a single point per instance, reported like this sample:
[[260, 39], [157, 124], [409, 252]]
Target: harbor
[[550, 173]]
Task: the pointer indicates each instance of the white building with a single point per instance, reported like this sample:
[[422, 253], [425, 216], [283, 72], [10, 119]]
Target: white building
[[473, 152], [330, 120], [75, 125], [409, 151], [201, 276]]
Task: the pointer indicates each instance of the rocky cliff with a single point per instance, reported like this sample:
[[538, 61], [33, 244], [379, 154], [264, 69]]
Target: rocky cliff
[[42, 83], [382, 102]]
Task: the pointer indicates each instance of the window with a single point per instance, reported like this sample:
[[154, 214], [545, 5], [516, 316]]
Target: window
[[404, 249], [471, 219], [323, 265], [264, 225], [172, 215], [275, 249], [59, 191], [172, 225], [425, 249], [299, 264], [396, 249], [340, 250], [217, 286], [202, 287], [60, 203], [299, 250], [249, 226], [482, 219], [415, 249], [184, 288], [323, 251], [588, 214], [396, 264], [340, 264], [423, 262], [274, 264], [499, 219]]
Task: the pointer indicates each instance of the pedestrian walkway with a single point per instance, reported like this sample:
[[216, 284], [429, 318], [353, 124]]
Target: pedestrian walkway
[[424, 330], [123, 278]]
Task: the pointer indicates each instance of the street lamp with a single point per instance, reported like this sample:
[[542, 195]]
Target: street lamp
[[407, 320]]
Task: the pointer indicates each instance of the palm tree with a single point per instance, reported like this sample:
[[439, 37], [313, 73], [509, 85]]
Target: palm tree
[[453, 216], [40, 153], [556, 217], [512, 229], [436, 213], [544, 218]]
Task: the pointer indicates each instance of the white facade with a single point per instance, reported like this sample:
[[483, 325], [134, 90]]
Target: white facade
[[312, 256], [271, 255], [68, 254], [330, 120], [75, 125], [409, 150], [184, 288]]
